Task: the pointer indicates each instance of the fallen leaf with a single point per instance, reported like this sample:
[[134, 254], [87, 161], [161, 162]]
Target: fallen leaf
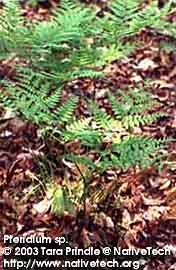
[[170, 196], [126, 220], [151, 201], [171, 213], [42, 207], [109, 222], [146, 64], [155, 212], [174, 119], [165, 184]]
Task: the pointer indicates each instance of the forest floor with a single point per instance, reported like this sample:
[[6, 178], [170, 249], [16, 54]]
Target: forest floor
[[146, 214]]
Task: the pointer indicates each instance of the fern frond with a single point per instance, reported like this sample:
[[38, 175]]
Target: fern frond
[[136, 150], [124, 10], [81, 129], [132, 121], [134, 102], [87, 73], [11, 17], [131, 107], [71, 14], [67, 5], [53, 99], [128, 17], [115, 52], [118, 109], [14, 36], [132, 150], [73, 130], [104, 120], [152, 16], [59, 46], [34, 97], [141, 98], [65, 112], [121, 15]]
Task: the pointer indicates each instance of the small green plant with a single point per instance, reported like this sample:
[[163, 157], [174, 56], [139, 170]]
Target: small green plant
[[74, 43], [60, 200], [123, 146], [68, 196], [127, 18], [37, 99], [59, 47]]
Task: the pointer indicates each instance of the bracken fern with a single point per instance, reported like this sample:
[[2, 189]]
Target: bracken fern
[[34, 97], [74, 43]]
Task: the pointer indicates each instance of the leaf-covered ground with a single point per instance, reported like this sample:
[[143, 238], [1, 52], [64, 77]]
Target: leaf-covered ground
[[138, 207]]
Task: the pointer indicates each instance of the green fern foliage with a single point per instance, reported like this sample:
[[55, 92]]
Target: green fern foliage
[[136, 101], [76, 128], [59, 46], [34, 97], [15, 20], [80, 159], [65, 112], [129, 17], [102, 119], [131, 108], [39, 100], [82, 129], [132, 151], [132, 121], [124, 148], [74, 42]]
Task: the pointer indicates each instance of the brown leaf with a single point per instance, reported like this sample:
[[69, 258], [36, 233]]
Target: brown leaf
[[174, 119], [126, 220], [155, 212], [165, 184], [85, 238], [170, 196], [171, 214], [151, 201]]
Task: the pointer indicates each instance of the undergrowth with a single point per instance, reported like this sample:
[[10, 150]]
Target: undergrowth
[[76, 43]]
